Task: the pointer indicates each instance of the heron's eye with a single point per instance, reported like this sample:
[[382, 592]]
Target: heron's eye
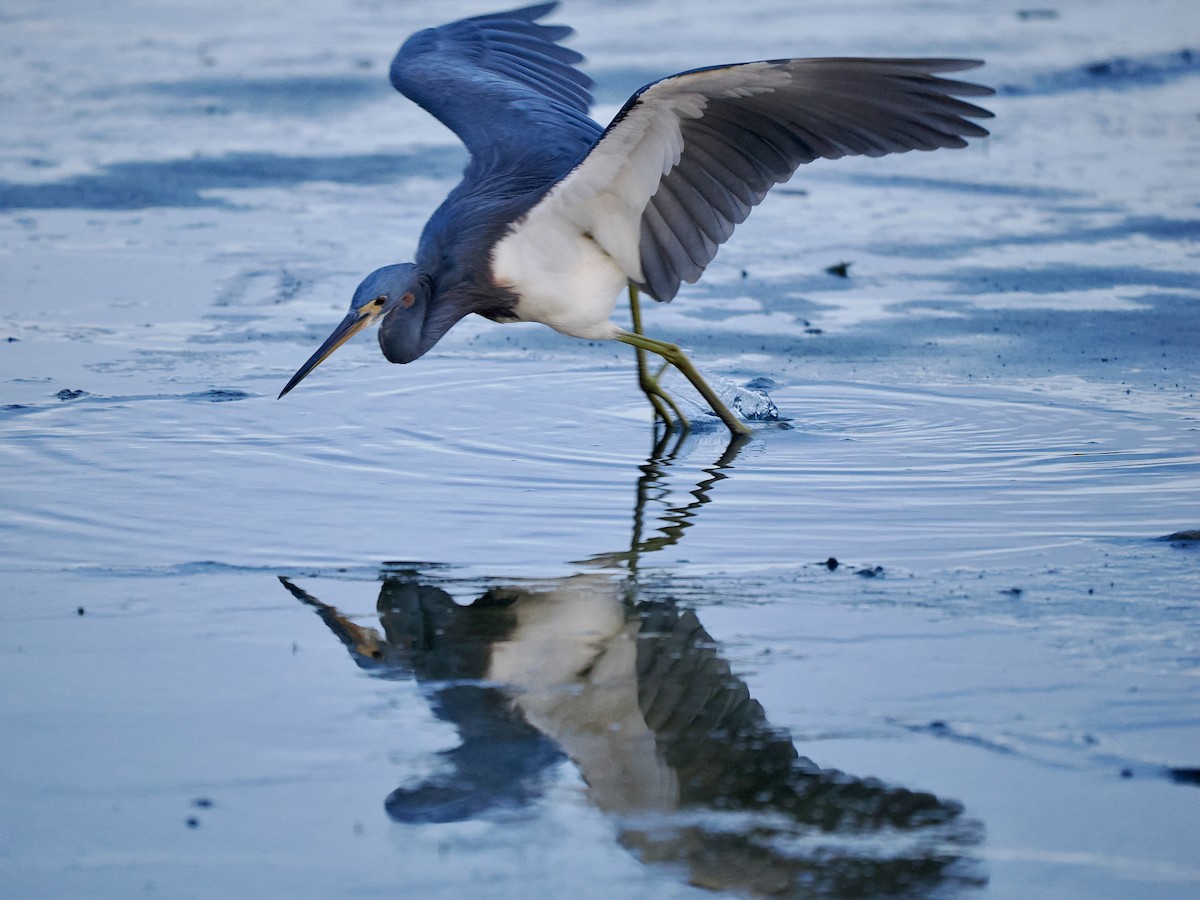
[[379, 301]]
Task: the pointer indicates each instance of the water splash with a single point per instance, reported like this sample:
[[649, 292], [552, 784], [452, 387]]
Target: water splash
[[749, 401]]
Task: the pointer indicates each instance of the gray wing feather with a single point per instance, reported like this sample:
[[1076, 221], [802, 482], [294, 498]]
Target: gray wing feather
[[739, 147]]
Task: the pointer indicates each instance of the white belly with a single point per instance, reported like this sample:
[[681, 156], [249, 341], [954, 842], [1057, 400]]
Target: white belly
[[562, 278]]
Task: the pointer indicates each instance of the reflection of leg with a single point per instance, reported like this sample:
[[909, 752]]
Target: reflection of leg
[[675, 357], [652, 487], [658, 398]]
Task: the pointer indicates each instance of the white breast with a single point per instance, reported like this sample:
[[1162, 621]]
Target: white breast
[[562, 277], [572, 662]]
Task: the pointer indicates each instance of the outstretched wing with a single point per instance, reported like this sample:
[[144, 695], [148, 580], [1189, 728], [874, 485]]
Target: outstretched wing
[[688, 157], [501, 82]]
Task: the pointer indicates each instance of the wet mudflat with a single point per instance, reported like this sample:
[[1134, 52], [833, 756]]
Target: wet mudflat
[[465, 628]]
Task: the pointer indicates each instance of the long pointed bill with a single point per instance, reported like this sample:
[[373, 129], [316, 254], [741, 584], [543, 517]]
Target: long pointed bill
[[348, 328]]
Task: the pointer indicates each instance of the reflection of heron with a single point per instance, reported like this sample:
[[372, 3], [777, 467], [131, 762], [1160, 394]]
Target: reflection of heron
[[555, 216], [667, 738]]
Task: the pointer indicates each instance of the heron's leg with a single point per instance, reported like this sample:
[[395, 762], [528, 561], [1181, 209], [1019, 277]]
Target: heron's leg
[[659, 399], [676, 357]]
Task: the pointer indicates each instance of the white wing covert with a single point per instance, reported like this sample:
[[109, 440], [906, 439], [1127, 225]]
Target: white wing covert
[[688, 157]]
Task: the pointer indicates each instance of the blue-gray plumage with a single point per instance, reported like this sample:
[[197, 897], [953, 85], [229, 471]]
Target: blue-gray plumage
[[554, 216]]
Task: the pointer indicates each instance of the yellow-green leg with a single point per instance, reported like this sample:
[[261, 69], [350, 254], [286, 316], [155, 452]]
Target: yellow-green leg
[[675, 357], [659, 399]]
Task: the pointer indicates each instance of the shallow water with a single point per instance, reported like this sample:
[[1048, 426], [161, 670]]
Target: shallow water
[[470, 627]]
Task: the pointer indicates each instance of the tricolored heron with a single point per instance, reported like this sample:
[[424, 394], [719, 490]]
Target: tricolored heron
[[555, 216]]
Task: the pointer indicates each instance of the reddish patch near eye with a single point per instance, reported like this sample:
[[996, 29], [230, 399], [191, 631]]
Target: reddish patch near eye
[[408, 300]]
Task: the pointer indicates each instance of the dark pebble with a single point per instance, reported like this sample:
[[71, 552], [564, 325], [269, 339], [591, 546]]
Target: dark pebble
[[831, 564], [1044, 14], [1190, 536]]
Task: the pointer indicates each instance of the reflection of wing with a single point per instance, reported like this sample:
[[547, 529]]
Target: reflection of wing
[[706, 724], [717, 737], [729, 759], [688, 157]]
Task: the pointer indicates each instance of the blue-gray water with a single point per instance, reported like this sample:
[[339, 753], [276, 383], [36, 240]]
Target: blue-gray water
[[460, 628]]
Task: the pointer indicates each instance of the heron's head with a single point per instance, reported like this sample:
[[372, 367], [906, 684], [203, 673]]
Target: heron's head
[[384, 291]]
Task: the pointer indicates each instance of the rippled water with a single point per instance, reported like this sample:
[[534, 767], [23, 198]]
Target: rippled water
[[471, 627], [908, 474]]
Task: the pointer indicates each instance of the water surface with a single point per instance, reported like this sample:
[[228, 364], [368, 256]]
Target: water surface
[[470, 627]]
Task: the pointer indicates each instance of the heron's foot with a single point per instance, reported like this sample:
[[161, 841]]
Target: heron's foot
[[664, 404], [665, 408], [660, 401], [672, 356], [659, 398]]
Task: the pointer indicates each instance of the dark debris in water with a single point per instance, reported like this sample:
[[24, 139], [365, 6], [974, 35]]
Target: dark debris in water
[[1045, 15], [841, 269], [1185, 775], [67, 394], [218, 396], [762, 383], [833, 564], [1187, 538]]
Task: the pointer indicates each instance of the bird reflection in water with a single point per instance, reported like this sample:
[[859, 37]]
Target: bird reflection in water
[[634, 692]]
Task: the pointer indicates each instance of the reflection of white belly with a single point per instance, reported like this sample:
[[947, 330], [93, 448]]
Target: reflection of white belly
[[573, 662], [562, 278]]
